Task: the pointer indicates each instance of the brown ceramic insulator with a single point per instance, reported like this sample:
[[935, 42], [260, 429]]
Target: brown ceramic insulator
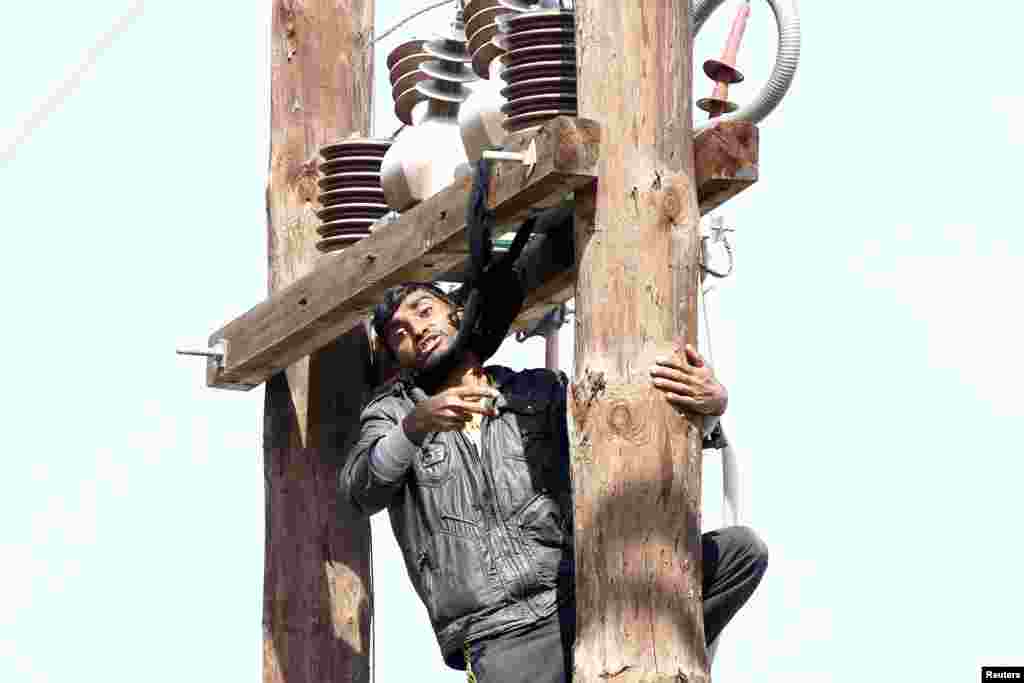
[[451, 93], [716, 106], [407, 48], [720, 72], [560, 35], [406, 82], [405, 74], [539, 86], [346, 226], [407, 65], [355, 147], [481, 29], [474, 7], [530, 104], [448, 50], [372, 211], [537, 19], [524, 72], [483, 56], [539, 53], [533, 121], [350, 195], [449, 72], [539, 65], [351, 164], [408, 99], [353, 179], [482, 18]]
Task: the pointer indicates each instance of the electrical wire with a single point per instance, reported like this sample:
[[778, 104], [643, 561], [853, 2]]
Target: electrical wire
[[409, 18]]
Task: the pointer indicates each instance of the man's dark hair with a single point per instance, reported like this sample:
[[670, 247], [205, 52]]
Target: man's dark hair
[[393, 298]]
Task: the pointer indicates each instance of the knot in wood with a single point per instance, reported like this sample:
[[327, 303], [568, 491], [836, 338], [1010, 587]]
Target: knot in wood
[[619, 419], [672, 203], [626, 422]]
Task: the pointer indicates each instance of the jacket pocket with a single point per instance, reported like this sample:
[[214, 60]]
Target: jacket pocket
[[542, 524], [432, 464], [531, 420]]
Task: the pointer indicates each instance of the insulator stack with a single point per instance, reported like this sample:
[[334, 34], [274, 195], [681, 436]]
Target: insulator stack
[[404, 71], [447, 72], [539, 66], [429, 155], [350, 191], [481, 28]]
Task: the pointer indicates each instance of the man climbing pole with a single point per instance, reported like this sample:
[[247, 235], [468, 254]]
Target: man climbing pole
[[475, 475]]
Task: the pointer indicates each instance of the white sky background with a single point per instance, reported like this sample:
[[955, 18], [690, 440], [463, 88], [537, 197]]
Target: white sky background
[[870, 340]]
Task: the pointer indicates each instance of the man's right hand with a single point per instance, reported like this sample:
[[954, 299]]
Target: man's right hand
[[447, 411]]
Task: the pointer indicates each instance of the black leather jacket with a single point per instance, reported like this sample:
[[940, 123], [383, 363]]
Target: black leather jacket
[[486, 536]]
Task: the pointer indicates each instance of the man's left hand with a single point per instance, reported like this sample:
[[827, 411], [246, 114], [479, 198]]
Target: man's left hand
[[688, 384]]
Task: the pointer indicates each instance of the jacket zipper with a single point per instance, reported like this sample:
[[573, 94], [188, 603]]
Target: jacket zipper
[[522, 570]]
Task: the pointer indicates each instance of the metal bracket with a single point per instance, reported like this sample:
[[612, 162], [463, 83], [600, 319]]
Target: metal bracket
[[214, 353], [551, 321], [527, 158]]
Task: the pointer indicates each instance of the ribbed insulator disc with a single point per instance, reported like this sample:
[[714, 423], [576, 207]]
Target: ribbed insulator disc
[[352, 164], [337, 181], [539, 53], [537, 19], [343, 211], [356, 147], [518, 124], [481, 21], [540, 86], [408, 99], [531, 104], [447, 49], [352, 195], [522, 72], [483, 57], [560, 35], [407, 65], [346, 226], [481, 29], [451, 72], [407, 81], [539, 67], [405, 74], [453, 93], [407, 48]]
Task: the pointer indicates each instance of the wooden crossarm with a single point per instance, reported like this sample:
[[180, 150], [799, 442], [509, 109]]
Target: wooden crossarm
[[426, 241], [430, 240]]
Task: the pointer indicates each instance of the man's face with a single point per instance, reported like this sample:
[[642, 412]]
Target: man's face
[[419, 329]]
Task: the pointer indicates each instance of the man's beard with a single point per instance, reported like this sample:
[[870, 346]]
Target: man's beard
[[440, 345]]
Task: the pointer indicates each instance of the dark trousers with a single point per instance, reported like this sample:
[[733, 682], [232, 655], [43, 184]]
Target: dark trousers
[[734, 558]]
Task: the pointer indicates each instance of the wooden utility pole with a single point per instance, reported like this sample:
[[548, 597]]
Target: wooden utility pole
[[316, 591], [636, 462]]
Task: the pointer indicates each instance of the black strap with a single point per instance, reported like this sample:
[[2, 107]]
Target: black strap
[[493, 293]]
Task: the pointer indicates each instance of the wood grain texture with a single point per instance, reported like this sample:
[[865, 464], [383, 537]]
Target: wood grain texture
[[636, 463], [427, 241], [726, 162], [316, 591]]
